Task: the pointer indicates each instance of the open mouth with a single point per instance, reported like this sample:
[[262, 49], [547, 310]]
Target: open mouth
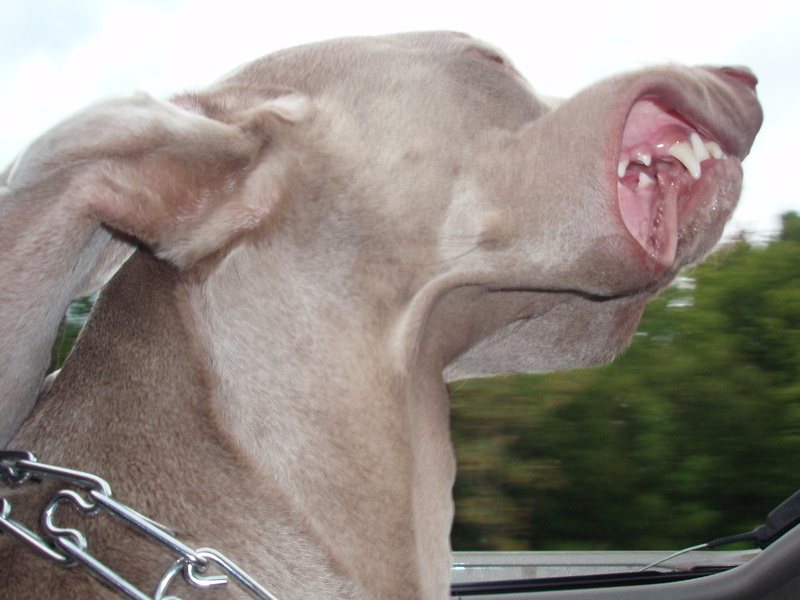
[[662, 157]]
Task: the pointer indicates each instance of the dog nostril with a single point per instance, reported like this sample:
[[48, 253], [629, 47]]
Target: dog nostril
[[741, 74]]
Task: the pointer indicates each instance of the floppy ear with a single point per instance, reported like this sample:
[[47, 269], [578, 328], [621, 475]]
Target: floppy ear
[[184, 184], [126, 172]]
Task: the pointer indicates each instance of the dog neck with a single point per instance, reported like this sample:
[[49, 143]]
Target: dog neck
[[346, 455], [357, 439]]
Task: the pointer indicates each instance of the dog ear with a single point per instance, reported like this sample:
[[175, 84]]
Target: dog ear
[[186, 185], [120, 174]]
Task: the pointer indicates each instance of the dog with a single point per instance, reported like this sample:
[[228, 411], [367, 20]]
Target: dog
[[298, 259]]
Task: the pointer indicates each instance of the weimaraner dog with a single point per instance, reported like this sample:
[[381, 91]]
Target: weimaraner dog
[[313, 246]]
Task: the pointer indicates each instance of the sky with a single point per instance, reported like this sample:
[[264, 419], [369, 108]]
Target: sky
[[57, 56]]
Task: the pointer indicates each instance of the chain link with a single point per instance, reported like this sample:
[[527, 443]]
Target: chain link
[[69, 546]]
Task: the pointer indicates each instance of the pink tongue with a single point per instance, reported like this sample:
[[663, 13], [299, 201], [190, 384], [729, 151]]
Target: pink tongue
[[651, 216]]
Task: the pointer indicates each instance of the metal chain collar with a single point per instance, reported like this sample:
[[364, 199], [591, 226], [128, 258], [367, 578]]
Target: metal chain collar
[[69, 546]]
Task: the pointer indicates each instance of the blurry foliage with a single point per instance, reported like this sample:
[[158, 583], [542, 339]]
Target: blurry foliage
[[74, 320], [692, 434]]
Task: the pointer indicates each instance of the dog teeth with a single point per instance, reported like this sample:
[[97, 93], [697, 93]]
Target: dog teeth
[[690, 153], [700, 150], [685, 154], [694, 152], [645, 181], [643, 158], [714, 150]]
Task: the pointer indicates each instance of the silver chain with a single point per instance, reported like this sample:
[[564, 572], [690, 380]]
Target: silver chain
[[69, 546]]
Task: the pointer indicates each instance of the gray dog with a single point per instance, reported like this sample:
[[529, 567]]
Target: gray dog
[[313, 246]]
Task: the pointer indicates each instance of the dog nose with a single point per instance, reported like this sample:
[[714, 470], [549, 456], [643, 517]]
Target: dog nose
[[741, 74]]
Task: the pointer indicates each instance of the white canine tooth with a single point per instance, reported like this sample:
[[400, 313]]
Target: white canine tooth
[[622, 167], [684, 153], [645, 159], [645, 181], [714, 150], [700, 150]]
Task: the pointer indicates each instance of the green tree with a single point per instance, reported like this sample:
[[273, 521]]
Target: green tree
[[71, 325]]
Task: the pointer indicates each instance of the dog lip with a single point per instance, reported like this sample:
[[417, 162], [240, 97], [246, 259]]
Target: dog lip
[[719, 102], [740, 74]]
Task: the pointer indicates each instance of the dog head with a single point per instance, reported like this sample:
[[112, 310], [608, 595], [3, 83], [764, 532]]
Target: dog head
[[498, 231]]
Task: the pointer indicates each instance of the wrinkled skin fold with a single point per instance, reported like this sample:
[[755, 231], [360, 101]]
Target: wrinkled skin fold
[[303, 254]]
